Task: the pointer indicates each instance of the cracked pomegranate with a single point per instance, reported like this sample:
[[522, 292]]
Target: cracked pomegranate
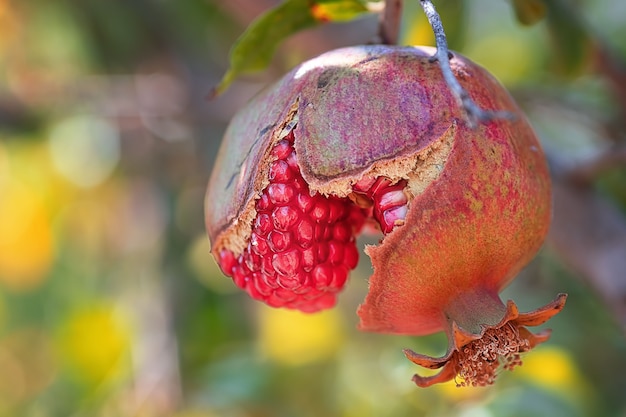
[[373, 135]]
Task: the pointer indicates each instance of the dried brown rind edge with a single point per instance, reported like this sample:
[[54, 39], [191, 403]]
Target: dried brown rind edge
[[420, 169], [235, 237]]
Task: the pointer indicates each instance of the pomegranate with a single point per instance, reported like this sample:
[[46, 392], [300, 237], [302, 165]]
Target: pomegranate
[[372, 135]]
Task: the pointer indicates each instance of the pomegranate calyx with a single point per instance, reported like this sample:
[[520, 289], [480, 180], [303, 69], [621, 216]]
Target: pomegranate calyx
[[475, 359]]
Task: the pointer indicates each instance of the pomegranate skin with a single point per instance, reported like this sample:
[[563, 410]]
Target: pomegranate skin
[[475, 226]]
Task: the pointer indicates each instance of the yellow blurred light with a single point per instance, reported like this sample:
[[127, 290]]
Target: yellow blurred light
[[550, 367], [26, 243], [509, 58], [95, 342], [9, 24], [26, 161], [419, 31], [295, 338], [85, 149]]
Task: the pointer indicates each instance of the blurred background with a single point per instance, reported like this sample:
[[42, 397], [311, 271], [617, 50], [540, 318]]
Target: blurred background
[[110, 304]]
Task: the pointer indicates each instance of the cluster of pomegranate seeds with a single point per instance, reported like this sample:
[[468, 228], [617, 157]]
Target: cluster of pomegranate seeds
[[389, 200], [302, 246]]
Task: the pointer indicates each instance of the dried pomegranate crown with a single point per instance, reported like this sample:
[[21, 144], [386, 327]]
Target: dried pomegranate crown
[[371, 135]]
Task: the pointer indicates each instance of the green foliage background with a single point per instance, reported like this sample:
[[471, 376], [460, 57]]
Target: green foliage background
[[110, 304]]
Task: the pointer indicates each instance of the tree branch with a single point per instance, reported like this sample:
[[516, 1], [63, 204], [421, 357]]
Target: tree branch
[[589, 235], [389, 28], [474, 112]]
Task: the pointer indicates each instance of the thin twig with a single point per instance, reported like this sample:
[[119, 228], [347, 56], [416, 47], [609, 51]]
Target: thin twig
[[389, 28], [588, 233], [474, 112], [590, 170]]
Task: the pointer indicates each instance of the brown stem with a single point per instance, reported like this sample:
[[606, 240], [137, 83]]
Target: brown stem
[[391, 17], [585, 173], [613, 68]]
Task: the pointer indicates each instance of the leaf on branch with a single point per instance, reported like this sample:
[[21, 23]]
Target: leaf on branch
[[529, 12], [571, 44], [254, 49], [337, 10]]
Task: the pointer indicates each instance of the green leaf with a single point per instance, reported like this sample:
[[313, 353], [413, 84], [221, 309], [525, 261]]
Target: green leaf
[[571, 45], [529, 12], [254, 49], [338, 11]]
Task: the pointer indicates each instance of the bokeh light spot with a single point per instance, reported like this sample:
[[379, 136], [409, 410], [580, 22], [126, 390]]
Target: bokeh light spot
[[418, 31], [26, 243], [95, 342], [513, 61], [85, 149], [550, 367], [295, 338]]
